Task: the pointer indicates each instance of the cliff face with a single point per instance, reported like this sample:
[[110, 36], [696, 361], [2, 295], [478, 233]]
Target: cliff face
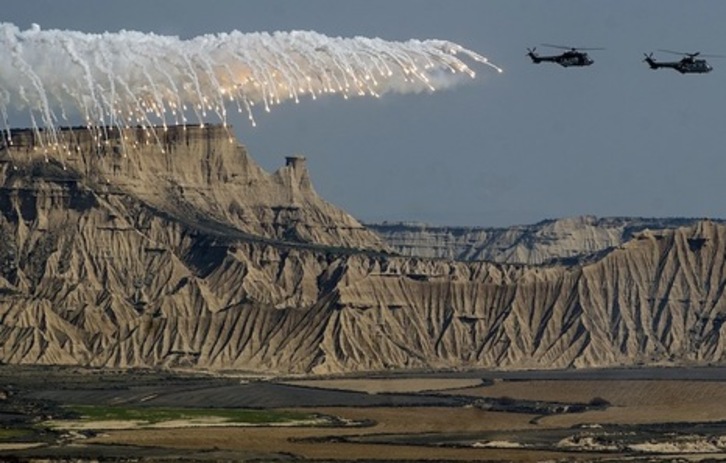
[[195, 174], [546, 241], [148, 265]]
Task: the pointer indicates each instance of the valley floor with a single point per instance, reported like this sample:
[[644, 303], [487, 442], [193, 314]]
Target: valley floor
[[576, 415]]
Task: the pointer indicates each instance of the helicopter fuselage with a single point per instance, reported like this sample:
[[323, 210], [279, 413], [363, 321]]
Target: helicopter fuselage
[[567, 59], [684, 66]]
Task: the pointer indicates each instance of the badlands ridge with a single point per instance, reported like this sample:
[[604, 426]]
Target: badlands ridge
[[121, 255]]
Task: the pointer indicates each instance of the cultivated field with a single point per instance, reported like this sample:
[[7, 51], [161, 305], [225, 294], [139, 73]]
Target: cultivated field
[[633, 401], [620, 393], [390, 385], [94, 417], [442, 416], [412, 420]]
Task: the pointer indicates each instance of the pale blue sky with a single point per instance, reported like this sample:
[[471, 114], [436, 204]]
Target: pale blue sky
[[538, 141]]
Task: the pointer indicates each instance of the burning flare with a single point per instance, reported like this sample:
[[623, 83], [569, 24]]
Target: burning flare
[[131, 78]]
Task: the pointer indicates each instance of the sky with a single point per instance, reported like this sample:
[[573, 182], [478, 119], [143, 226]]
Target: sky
[[535, 142]]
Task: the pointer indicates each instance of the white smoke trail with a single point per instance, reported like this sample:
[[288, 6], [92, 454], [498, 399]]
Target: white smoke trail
[[131, 78]]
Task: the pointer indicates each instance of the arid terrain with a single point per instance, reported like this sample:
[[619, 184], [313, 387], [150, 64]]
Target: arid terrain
[[162, 297], [175, 250], [562, 241]]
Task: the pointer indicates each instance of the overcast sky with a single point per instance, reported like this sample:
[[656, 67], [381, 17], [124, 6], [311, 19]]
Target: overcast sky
[[536, 142]]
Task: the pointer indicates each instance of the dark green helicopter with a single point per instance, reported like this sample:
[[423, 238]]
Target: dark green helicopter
[[687, 65], [572, 57]]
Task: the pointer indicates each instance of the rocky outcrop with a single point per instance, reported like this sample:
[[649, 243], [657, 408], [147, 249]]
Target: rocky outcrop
[[152, 267], [657, 299], [197, 174], [546, 241]]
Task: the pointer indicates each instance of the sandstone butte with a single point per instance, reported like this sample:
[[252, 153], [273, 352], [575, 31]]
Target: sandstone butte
[[194, 257]]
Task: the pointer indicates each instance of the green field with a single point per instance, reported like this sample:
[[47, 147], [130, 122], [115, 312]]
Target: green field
[[153, 415], [10, 434]]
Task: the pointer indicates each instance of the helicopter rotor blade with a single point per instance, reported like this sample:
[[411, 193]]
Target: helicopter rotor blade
[[674, 52], [692, 55], [562, 47]]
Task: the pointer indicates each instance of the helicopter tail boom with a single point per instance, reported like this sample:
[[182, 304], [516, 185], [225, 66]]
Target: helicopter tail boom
[[651, 62], [533, 56]]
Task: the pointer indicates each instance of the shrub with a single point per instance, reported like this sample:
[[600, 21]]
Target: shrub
[[599, 402]]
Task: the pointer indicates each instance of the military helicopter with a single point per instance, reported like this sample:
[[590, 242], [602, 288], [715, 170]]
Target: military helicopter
[[572, 57], [687, 65]]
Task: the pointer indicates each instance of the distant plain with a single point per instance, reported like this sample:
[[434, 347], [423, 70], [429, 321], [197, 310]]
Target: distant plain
[[443, 415]]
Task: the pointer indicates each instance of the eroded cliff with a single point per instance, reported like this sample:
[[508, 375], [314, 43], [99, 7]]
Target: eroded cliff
[[546, 241], [129, 257]]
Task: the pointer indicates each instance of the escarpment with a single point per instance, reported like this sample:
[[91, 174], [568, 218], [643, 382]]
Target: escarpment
[[198, 174], [544, 242], [119, 255]]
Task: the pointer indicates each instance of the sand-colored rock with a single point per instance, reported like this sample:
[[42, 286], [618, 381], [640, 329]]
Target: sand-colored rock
[[546, 241], [199, 175], [151, 266]]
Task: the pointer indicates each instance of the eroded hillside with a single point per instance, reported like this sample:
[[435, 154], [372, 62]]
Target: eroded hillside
[[126, 256], [544, 242]]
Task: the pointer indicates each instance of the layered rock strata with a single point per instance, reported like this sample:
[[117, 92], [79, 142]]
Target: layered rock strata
[[544, 242], [129, 257]]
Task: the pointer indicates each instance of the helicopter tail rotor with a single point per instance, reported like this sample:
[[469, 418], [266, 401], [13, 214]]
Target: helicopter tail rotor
[[649, 59], [531, 53]]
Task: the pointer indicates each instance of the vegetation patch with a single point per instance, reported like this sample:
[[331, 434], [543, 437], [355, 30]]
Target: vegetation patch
[[13, 433], [95, 416]]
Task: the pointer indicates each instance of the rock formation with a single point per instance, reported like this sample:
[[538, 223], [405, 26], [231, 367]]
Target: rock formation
[[546, 241], [120, 255]]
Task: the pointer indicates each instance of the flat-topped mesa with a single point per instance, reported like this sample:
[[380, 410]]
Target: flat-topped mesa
[[188, 171], [565, 240], [186, 154]]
